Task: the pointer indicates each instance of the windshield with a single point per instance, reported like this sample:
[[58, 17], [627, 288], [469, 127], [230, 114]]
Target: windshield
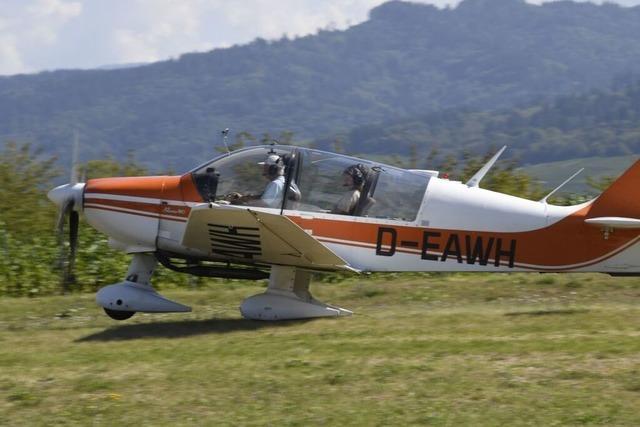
[[252, 177]]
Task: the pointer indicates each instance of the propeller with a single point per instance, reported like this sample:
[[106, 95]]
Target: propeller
[[68, 198], [67, 258]]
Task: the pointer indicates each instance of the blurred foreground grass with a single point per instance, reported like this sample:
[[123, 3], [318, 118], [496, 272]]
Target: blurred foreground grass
[[498, 349]]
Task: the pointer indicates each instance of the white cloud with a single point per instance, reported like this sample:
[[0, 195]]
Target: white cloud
[[49, 34], [55, 8], [295, 17], [47, 16], [28, 27], [135, 46], [10, 60], [156, 29]]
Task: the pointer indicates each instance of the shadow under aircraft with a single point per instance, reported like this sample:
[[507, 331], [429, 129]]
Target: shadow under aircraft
[[181, 329]]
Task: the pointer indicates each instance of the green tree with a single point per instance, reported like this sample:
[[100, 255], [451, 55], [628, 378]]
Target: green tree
[[503, 176], [110, 167], [25, 176], [27, 218], [28, 242], [600, 184]]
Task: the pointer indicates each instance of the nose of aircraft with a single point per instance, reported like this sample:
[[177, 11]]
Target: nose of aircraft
[[63, 193]]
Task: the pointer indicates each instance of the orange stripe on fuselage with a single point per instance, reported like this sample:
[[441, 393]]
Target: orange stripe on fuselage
[[172, 188], [135, 213], [164, 188], [137, 206], [173, 210], [139, 186], [568, 242]]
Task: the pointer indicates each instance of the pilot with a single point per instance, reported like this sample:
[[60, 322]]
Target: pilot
[[271, 197], [353, 178], [273, 171]]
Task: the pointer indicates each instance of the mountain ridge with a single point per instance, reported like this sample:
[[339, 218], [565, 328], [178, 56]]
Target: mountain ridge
[[406, 60], [596, 123]]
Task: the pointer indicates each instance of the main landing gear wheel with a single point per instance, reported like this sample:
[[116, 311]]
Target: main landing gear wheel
[[118, 314], [288, 297]]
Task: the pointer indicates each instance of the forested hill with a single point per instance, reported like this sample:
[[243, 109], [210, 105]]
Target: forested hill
[[599, 123], [406, 60]]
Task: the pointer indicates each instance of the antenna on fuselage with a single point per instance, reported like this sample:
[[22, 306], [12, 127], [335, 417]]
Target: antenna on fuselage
[[225, 133], [475, 179], [566, 181]]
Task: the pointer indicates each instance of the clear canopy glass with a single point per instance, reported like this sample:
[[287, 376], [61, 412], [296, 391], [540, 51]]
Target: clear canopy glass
[[307, 180]]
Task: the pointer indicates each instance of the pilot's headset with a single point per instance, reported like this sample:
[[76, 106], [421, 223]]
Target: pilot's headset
[[357, 173], [275, 163]]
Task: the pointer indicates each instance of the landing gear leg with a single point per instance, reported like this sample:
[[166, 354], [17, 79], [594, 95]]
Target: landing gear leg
[[288, 297]]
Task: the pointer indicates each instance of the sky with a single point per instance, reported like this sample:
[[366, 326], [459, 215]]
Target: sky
[[38, 35]]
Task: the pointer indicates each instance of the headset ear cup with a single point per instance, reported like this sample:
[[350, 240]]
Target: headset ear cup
[[275, 169], [356, 175], [363, 172]]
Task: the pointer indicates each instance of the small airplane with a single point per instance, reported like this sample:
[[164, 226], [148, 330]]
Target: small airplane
[[284, 212]]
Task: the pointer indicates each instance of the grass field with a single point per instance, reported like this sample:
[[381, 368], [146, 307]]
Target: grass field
[[453, 350]]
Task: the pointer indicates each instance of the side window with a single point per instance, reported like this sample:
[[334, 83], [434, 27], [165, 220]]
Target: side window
[[320, 181], [397, 193], [328, 183]]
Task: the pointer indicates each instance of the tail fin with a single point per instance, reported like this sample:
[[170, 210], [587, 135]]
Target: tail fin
[[622, 198]]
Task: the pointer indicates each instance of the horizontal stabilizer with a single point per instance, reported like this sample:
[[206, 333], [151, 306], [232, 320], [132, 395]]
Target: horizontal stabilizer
[[251, 236], [614, 222]]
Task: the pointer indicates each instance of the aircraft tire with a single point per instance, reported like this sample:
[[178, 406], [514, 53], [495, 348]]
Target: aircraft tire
[[119, 314]]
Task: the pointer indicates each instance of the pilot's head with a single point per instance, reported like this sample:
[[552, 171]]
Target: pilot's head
[[354, 176], [272, 167]]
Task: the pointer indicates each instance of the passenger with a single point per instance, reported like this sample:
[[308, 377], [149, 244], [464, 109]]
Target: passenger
[[353, 178], [271, 197]]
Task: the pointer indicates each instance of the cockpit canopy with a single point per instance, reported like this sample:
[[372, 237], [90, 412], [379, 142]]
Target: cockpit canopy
[[310, 180]]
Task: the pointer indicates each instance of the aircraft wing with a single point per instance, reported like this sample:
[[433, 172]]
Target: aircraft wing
[[245, 235]]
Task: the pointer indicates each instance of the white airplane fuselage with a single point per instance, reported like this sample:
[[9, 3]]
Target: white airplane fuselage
[[458, 228]]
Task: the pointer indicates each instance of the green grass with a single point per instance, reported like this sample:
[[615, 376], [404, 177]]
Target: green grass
[[450, 350]]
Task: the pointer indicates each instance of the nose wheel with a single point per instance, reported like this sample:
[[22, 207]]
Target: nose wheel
[[118, 314], [135, 294]]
